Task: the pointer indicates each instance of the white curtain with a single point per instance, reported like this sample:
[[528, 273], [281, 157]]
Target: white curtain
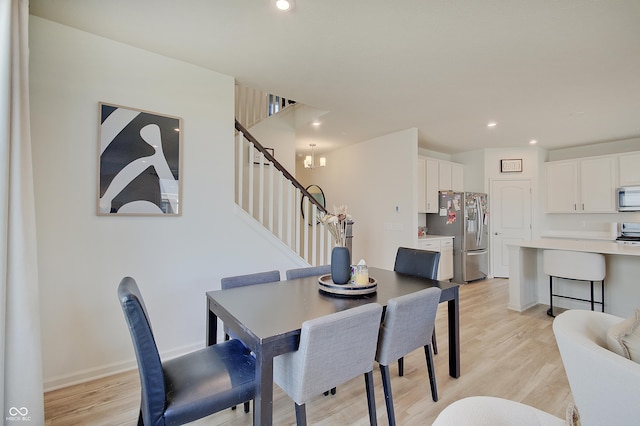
[[20, 350]]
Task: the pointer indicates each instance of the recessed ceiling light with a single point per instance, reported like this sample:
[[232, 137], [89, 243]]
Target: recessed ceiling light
[[284, 4], [315, 123], [492, 124], [533, 142]]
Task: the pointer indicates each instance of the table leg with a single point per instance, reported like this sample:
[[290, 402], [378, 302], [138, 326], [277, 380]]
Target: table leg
[[212, 327], [454, 335], [263, 403]]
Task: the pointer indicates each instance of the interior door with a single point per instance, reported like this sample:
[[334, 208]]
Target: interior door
[[510, 220]]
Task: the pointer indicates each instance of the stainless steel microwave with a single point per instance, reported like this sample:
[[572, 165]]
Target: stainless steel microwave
[[628, 198]]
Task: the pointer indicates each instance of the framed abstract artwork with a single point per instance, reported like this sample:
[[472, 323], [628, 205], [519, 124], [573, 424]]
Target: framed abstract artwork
[[139, 162]]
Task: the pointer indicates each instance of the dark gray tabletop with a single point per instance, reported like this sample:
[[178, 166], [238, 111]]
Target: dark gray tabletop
[[273, 309]]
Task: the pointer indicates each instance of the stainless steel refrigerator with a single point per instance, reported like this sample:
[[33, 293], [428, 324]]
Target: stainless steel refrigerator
[[464, 215]]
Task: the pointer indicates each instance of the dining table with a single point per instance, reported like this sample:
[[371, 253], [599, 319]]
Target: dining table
[[268, 319]]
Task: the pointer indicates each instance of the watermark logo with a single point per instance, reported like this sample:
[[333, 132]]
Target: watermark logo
[[18, 415]]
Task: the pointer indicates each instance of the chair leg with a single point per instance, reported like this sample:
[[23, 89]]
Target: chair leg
[[401, 367], [333, 392], [301, 415], [592, 301], [432, 373], [246, 406], [371, 398], [602, 289], [434, 344], [388, 397]]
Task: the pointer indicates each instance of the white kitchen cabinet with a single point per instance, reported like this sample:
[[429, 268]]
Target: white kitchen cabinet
[[444, 176], [450, 176], [562, 186], [431, 185], [598, 182], [444, 245], [629, 168], [584, 185], [439, 176], [422, 190], [457, 177], [445, 267]]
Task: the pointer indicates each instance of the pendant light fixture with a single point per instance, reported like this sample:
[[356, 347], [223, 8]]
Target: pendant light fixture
[[310, 160]]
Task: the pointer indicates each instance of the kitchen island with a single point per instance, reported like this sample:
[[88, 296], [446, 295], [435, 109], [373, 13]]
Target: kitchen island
[[529, 285]]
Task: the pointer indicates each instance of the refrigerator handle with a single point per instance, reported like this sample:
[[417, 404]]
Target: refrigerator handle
[[480, 221]]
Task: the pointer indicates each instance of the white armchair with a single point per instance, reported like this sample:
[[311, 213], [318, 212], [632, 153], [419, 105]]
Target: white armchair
[[491, 411], [605, 385]]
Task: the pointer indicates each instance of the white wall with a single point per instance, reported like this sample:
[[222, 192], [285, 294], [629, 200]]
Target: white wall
[[372, 178], [82, 257], [473, 169], [278, 132]]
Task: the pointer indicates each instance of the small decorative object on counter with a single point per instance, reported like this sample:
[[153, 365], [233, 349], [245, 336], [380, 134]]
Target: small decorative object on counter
[[340, 257], [361, 273]]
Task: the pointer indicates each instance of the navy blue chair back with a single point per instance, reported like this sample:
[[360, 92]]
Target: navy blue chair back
[[418, 263], [149, 363]]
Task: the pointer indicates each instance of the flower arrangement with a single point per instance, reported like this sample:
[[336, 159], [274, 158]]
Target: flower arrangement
[[337, 224]]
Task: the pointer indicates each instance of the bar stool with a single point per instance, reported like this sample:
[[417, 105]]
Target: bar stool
[[574, 265]]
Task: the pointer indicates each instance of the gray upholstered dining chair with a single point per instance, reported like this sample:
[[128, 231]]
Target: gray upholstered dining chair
[[309, 271], [246, 280], [419, 263], [188, 387], [333, 350], [407, 325]]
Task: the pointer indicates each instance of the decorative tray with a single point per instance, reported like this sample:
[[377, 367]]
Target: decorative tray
[[326, 285]]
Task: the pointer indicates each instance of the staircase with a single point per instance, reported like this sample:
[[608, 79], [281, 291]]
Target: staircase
[[268, 192]]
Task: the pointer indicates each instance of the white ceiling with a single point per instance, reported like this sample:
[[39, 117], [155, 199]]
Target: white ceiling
[[563, 72]]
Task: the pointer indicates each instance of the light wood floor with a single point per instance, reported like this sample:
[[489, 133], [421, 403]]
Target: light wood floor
[[505, 354]]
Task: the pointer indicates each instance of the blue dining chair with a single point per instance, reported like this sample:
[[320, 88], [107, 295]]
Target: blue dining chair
[[418, 263], [333, 349], [191, 386], [242, 281], [407, 325]]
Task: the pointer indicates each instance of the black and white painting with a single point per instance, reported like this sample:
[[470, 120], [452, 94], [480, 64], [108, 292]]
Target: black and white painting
[[140, 154]]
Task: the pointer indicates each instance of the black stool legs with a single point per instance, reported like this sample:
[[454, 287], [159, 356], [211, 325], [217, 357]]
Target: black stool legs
[[592, 300]]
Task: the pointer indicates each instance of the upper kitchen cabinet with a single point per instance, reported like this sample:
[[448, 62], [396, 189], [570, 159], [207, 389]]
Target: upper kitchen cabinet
[[422, 191], [630, 169], [438, 176], [584, 185], [431, 185], [457, 177], [450, 176]]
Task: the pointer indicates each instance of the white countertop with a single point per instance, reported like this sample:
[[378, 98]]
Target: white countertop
[[593, 246], [434, 237]]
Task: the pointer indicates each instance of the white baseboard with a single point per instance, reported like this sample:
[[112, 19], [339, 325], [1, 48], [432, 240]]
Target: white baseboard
[[96, 373]]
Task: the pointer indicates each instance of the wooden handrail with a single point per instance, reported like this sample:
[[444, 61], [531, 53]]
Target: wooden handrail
[[248, 136]]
